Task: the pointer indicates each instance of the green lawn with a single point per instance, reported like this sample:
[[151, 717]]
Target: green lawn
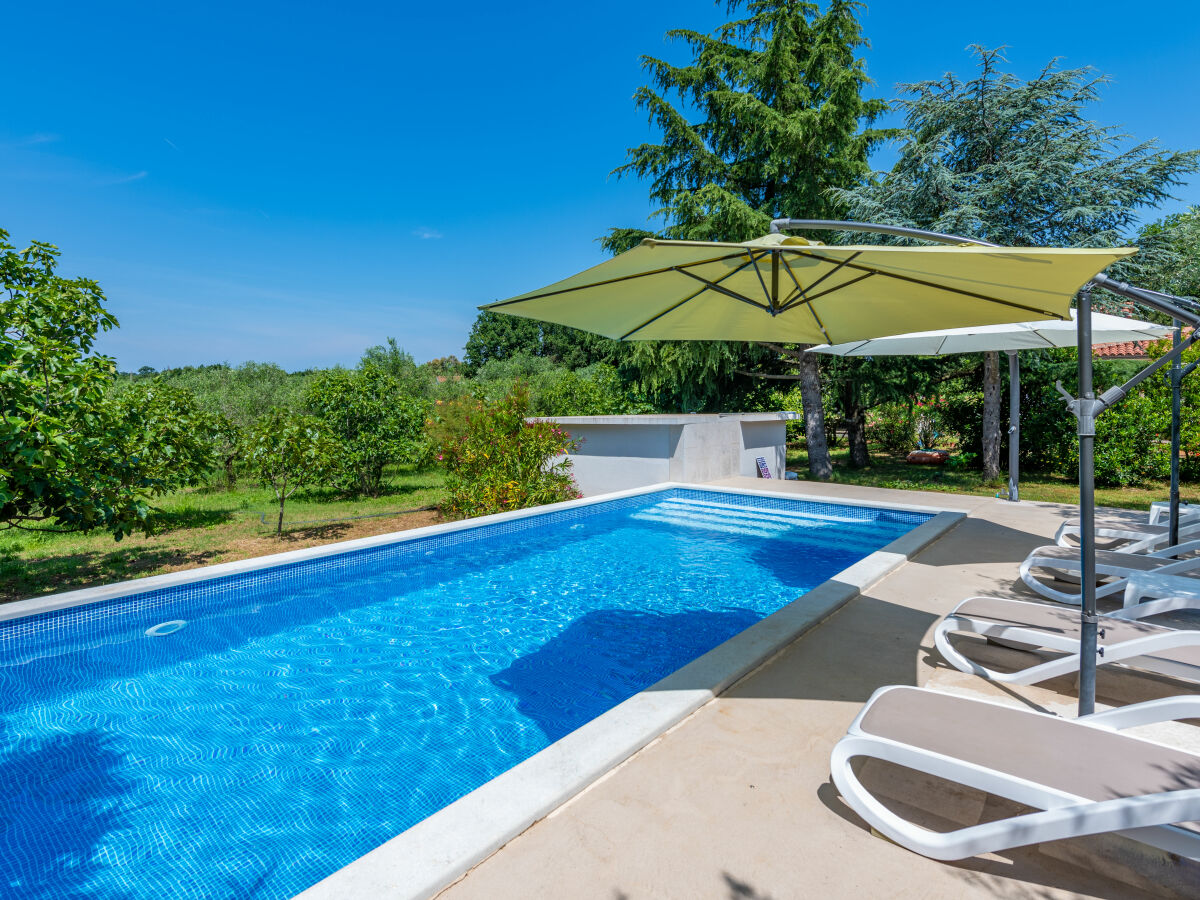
[[888, 471], [205, 525]]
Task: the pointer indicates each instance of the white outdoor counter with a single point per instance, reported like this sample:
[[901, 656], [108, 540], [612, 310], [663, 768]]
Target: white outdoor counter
[[621, 452]]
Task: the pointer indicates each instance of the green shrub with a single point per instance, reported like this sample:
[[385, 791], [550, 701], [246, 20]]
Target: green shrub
[[376, 421], [496, 461], [892, 427], [170, 435]]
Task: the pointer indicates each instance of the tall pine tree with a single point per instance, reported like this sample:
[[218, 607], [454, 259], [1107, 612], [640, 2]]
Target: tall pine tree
[[1015, 162], [764, 121]]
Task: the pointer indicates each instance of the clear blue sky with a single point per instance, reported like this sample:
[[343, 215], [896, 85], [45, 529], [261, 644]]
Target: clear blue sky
[[296, 181]]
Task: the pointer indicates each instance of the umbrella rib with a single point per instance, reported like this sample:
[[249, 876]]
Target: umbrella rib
[[844, 262], [770, 304], [800, 291], [592, 284], [686, 299], [930, 284], [809, 300], [734, 295]]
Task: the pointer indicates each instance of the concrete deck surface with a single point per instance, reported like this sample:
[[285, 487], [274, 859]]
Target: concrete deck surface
[[736, 801]]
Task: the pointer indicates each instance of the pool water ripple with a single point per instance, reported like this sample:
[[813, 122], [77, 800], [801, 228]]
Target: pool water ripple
[[297, 723]]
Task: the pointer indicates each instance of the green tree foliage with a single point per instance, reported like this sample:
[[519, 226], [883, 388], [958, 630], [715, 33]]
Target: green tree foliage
[[170, 436], [1016, 162], [495, 337], [1169, 255], [497, 461], [767, 116], [373, 415], [781, 119], [555, 390], [414, 380], [287, 451], [64, 448], [242, 394]]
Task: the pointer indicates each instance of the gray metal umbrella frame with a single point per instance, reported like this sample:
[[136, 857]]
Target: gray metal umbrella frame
[[1086, 407]]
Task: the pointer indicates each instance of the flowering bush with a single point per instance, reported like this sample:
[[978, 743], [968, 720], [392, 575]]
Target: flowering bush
[[495, 460], [892, 427]]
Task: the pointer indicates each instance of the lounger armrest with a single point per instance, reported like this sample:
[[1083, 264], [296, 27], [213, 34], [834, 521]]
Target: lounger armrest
[[1175, 591], [1176, 549], [1167, 709]]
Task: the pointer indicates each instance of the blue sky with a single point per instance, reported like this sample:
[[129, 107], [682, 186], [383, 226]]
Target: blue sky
[[293, 182]]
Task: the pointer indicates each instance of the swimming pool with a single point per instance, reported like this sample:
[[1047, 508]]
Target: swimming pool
[[248, 735]]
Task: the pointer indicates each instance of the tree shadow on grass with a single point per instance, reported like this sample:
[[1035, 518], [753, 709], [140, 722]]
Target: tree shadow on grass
[[25, 577], [164, 521], [331, 531], [60, 799]]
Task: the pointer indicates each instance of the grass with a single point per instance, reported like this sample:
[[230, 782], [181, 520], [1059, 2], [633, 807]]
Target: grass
[[890, 471], [202, 526]]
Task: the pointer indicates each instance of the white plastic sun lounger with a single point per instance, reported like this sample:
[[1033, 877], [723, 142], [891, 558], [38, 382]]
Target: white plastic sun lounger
[[1151, 593], [1160, 511], [1081, 775], [1169, 651], [1114, 566], [1115, 534]]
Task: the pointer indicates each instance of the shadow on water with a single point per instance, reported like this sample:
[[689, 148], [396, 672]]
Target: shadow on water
[[607, 656], [59, 801]]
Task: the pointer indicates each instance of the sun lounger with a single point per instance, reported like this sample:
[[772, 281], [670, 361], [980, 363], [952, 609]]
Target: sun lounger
[[1113, 566], [1152, 593], [1169, 651], [1080, 774], [1128, 537], [1160, 511]]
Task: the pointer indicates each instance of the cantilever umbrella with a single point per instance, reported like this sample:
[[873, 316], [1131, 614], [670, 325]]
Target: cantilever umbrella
[[778, 288], [1009, 338], [787, 289]]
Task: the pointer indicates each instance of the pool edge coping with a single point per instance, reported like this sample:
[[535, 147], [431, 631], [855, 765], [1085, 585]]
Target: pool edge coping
[[425, 859]]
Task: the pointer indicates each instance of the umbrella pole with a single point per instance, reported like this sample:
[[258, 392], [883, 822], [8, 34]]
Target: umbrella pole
[[1085, 410], [1014, 425], [1176, 403]]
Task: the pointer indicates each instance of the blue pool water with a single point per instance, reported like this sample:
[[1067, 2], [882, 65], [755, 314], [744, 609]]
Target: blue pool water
[[307, 713]]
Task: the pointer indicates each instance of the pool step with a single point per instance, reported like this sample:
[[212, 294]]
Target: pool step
[[755, 522]]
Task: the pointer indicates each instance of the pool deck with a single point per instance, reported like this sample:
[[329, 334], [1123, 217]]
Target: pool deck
[[735, 802]]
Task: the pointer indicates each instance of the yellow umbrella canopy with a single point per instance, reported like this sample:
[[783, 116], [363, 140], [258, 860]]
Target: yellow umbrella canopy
[[788, 289]]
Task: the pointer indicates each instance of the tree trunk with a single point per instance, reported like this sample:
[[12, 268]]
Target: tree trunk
[[230, 472], [991, 416], [819, 464], [282, 500], [856, 427], [856, 434]]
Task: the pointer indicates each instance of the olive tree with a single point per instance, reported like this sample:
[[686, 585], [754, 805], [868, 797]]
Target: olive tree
[[287, 451]]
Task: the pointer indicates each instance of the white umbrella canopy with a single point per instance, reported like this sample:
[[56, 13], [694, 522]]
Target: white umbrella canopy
[[1010, 338], [1039, 335]]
